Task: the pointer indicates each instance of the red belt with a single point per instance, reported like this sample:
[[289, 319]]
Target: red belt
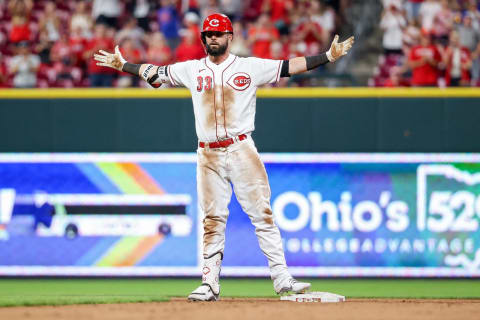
[[222, 143]]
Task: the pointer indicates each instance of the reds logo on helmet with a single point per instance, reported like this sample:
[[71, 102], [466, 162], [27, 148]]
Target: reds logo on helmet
[[239, 81], [217, 22], [214, 23]]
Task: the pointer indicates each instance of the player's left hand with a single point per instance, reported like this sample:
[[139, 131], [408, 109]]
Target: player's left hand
[[112, 60], [339, 49]]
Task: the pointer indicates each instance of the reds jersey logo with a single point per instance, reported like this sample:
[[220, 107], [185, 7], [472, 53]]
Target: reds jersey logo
[[214, 23], [239, 81]]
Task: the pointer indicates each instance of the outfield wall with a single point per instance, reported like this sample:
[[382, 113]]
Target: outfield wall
[[288, 120]]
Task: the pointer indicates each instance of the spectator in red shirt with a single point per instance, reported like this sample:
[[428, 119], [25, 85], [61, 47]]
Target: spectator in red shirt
[[63, 58], [458, 61], [99, 76], [77, 43], [158, 53], [423, 61], [61, 52], [261, 35], [20, 12], [279, 11], [312, 33], [189, 48], [190, 21]]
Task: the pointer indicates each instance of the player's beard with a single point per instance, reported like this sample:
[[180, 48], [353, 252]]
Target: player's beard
[[218, 51]]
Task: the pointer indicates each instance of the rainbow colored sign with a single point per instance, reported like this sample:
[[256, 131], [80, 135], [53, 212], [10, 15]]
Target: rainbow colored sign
[[406, 215]]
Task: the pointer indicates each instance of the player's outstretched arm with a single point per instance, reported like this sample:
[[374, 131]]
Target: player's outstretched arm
[[337, 50], [148, 72]]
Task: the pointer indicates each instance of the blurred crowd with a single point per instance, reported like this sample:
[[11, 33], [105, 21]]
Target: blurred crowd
[[47, 43], [429, 43]]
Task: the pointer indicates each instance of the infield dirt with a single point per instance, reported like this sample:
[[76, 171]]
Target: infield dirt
[[368, 309]]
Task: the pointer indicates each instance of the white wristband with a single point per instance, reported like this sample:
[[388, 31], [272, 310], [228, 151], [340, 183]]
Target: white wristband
[[146, 72]]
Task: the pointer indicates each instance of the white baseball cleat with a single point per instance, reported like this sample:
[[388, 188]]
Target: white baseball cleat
[[209, 290], [203, 293], [291, 285]]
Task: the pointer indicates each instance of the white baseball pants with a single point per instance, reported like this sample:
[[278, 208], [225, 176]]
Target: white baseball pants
[[239, 164]]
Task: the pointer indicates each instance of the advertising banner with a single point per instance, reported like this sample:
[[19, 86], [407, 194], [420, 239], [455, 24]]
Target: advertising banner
[[407, 215]]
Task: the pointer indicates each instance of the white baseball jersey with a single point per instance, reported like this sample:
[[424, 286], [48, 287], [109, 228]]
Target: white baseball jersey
[[224, 95]]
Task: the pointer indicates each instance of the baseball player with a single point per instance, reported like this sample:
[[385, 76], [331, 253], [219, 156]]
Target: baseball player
[[223, 88]]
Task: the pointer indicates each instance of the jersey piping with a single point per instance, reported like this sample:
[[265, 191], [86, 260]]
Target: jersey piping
[[277, 78], [214, 98], [223, 100]]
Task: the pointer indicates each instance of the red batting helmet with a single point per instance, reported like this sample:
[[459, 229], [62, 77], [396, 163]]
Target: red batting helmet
[[217, 22]]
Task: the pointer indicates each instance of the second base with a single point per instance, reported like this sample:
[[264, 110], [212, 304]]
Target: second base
[[315, 296]]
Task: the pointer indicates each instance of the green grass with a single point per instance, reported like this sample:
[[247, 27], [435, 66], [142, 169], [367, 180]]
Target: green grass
[[21, 292]]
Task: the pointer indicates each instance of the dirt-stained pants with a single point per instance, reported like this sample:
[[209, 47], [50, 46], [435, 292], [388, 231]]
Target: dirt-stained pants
[[239, 164]]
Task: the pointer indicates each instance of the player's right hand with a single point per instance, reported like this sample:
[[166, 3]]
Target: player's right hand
[[112, 60]]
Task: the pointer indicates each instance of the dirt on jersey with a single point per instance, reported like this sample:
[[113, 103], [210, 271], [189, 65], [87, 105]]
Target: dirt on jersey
[[228, 105], [208, 103], [218, 106]]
